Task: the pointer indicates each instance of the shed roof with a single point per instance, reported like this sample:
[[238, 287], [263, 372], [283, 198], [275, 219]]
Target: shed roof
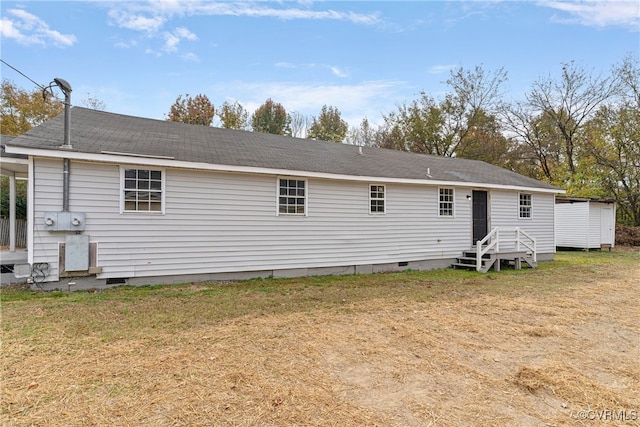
[[101, 133], [568, 199]]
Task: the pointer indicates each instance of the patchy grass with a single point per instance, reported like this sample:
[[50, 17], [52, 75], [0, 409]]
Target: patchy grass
[[448, 347]]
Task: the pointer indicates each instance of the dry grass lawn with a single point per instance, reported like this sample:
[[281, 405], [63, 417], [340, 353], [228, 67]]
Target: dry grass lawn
[[550, 346]]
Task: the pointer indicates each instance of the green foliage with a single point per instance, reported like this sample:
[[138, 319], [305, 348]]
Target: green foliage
[[614, 144], [20, 110], [271, 117], [441, 127], [485, 141], [329, 126], [233, 116], [195, 111], [21, 198]]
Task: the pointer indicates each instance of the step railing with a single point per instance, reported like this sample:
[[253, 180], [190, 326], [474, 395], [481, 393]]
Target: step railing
[[495, 237], [526, 240], [492, 240]]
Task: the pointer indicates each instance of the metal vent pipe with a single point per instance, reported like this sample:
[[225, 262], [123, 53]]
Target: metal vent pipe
[[66, 89]]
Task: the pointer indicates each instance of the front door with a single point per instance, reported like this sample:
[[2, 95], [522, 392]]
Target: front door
[[480, 225]]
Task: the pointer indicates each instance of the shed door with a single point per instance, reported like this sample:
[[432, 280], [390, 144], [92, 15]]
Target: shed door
[[606, 226], [480, 226]]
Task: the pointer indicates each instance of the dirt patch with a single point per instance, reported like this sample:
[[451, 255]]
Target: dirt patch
[[531, 357]]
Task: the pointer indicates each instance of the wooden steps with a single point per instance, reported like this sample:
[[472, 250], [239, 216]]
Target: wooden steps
[[468, 260]]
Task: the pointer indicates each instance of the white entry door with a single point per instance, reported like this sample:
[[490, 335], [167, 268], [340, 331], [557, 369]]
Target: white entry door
[[607, 225]]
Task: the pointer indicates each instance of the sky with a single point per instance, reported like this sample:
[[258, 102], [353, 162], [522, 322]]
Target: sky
[[364, 58]]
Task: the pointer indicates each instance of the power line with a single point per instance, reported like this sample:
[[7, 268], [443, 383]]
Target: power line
[[23, 74]]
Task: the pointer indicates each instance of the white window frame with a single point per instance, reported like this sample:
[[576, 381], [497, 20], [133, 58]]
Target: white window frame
[[452, 201], [163, 192], [524, 206], [383, 199], [278, 196]]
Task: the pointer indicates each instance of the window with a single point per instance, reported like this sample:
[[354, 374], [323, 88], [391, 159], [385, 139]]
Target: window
[[142, 190], [376, 199], [525, 205], [292, 197], [446, 202]]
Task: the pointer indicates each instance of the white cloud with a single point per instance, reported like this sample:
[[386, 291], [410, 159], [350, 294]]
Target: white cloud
[[150, 16], [338, 72], [27, 29], [368, 99], [598, 13], [190, 57], [285, 65], [172, 39], [259, 11], [125, 19], [439, 69]]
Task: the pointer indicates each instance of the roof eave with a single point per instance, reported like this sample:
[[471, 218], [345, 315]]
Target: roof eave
[[162, 161]]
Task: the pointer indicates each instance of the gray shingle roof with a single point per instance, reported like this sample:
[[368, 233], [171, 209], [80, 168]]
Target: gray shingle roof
[[97, 131], [5, 139]]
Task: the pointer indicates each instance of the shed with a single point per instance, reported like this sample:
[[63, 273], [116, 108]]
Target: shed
[[585, 223]]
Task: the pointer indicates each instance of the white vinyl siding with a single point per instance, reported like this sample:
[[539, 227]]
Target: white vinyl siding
[[504, 213], [224, 222], [579, 224]]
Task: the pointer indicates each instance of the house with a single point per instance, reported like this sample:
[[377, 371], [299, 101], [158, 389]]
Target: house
[[585, 223], [140, 201]]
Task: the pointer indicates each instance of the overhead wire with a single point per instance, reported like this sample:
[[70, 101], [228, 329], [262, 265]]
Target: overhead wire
[[22, 74]]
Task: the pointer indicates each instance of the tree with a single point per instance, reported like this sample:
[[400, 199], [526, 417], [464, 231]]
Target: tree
[[432, 127], [271, 117], [364, 136], [329, 126], [93, 103], [569, 103], [21, 198], [538, 142], [195, 111], [613, 137], [233, 116], [299, 124], [22, 110], [486, 142]]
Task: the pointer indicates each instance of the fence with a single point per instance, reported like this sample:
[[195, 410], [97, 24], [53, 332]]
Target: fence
[[21, 232]]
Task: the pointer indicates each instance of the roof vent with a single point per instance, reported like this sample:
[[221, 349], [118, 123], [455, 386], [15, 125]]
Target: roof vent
[[360, 150]]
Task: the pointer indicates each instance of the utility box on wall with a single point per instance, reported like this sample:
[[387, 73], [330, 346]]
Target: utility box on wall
[[76, 256], [64, 221]]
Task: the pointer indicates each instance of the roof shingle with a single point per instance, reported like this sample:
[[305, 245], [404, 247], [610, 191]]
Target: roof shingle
[[96, 132]]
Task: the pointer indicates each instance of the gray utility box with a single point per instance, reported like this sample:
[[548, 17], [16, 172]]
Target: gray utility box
[[76, 252], [64, 221]]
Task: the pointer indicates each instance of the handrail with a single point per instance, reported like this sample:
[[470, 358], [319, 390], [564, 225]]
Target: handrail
[[494, 238], [531, 244]]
